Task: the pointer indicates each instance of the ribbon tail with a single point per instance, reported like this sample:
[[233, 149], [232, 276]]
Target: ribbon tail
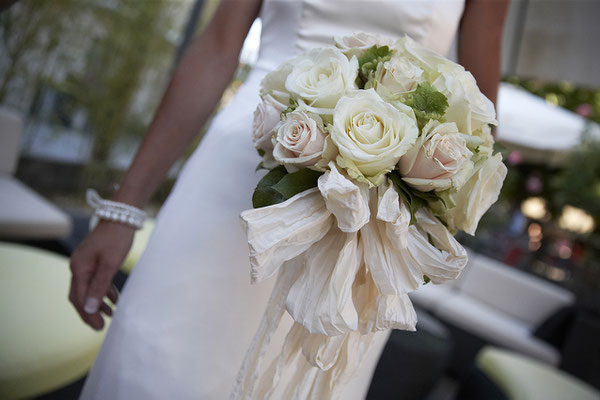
[[249, 372]]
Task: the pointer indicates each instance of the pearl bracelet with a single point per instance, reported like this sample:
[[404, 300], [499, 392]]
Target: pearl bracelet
[[115, 211]]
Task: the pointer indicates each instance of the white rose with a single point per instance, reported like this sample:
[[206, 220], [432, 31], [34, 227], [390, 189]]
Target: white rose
[[300, 140], [484, 141], [468, 107], [266, 117], [477, 195], [439, 159], [394, 77], [273, 84], [356, 44], [371, 135], [320, 77], [427, 59]]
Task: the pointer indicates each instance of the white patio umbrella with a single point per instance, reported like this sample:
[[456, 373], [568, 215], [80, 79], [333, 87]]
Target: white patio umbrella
[[542, 132]]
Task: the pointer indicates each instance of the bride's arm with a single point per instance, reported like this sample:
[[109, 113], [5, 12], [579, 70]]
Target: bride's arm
[[480, 42], [195, 88]]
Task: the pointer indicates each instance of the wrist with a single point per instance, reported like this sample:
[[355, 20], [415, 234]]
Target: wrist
[[128, 195], [115, 211]]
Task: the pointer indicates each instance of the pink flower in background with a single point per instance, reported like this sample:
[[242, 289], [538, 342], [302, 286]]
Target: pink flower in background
[[515, 158], [585, 110], [534, 184]]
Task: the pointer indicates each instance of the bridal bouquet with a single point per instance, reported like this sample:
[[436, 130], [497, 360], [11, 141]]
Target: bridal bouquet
[[378, 151]]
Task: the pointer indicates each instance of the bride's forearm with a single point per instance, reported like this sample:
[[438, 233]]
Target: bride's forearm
[[480, 42], [195, 89], [187, 103]]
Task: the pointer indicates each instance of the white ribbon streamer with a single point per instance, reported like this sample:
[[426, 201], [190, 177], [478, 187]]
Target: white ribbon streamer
[[347, 257]]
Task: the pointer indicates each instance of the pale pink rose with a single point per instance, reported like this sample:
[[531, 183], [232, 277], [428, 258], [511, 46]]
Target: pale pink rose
[[266, 117], [356, 44], [396, 76], [439, 159], [300, 140]]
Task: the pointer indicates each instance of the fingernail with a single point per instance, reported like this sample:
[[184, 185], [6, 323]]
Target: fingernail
[[91, 305]]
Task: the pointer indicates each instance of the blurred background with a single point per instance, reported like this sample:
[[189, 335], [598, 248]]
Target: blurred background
[[79, 83]]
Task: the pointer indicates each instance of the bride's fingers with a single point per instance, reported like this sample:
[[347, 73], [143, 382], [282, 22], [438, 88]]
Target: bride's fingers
[[76, 296], [99, 287], [113, 294], [106, 309]]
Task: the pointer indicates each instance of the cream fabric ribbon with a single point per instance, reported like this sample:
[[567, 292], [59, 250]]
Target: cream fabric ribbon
[[347, 256]]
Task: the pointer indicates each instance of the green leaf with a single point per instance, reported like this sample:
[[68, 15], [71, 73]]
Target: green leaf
[[297, 182], [278, 185], [261, 152], [427, 103], [264, 194], [367, 63], [426, 279], [413, 203], [414, 198], [293, 105], [425, 196]]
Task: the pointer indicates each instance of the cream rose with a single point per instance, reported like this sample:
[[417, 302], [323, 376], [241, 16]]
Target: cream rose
[[394, 77], [300, 140], [371, 135], [320, 77], [266, 117], [439, 159], [273, 84], [356, 44], [425, 58], [477, 195], [468, 107]]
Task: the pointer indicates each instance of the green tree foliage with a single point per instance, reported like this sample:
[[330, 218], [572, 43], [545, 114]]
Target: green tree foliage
[[112, 58], [133, 46], [578, 183], [29, 33]]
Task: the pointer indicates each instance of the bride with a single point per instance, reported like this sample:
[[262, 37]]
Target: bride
[[188, 311]]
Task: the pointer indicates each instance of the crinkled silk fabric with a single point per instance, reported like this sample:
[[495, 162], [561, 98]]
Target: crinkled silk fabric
[[347, 256]]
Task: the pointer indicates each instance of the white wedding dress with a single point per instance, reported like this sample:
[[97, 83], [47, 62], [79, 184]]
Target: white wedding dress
[[188, 312]]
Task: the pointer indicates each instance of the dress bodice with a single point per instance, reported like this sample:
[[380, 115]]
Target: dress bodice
[[293, 26]]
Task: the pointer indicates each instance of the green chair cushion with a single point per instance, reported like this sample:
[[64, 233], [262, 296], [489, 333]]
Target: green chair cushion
[[139, 245], [523, 378], [44, 344]]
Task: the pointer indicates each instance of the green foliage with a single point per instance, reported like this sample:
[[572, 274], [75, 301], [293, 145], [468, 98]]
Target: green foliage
[[277, 185], [29, 32], [123, 49], [293, 105], [367, 64], [297, 182], [264, 194], [578, 182], [563, 94], [414, 199], [427, 103]]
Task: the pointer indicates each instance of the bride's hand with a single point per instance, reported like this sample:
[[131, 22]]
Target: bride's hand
[[93, 266]]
